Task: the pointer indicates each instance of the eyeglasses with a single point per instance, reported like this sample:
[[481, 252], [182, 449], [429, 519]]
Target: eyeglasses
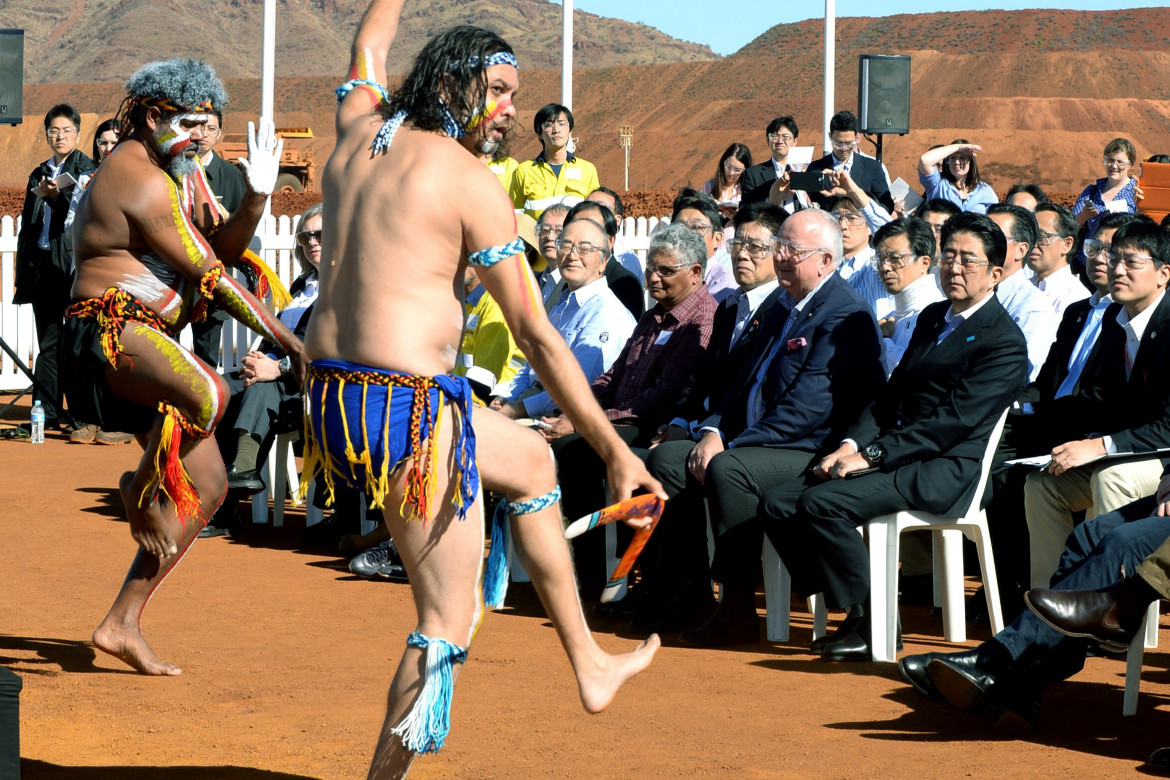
[[304, 237], [731, 169], [544, 231], [663, 271], [702, 228], [582, 248], [1046, 238], [774, 138], [1114, 163], [848, 217], [103, 143], [756, 249], [959, 160], [795, 254], [60, 132], [1094, 248], [1131, 262], [894, 260], [843, 146], [557, 123], [948, 260]]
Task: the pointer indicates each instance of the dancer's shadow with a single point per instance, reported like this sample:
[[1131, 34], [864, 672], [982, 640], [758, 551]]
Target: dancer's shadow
[[107, 502], [67, 655], [42, 770]]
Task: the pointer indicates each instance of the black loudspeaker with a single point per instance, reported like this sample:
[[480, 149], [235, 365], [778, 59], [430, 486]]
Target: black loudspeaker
[[883, 93], [11, 76]]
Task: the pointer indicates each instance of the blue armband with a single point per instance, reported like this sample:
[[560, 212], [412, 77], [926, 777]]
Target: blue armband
[[348, 86], [494, 254]]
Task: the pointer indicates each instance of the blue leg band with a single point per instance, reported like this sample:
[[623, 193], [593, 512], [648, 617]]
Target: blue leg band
[[425, 727]]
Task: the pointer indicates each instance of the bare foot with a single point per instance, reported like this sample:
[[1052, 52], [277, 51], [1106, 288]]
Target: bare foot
[[149, 527], [598, 688], [128, 644]]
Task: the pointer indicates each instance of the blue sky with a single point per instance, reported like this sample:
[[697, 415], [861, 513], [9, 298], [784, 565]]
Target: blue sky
[[730, 24]]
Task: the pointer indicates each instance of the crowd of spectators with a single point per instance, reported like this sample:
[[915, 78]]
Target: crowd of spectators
[[790, 362]]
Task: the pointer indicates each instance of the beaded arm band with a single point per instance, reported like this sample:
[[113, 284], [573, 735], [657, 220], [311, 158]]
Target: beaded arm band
[[348, 86], [494, 254]]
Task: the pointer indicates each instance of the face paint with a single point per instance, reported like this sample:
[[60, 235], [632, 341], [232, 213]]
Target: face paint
[[488, 112]]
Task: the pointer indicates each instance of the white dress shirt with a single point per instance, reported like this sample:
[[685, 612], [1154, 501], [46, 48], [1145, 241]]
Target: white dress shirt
[[1034, 315], [1061, 287]]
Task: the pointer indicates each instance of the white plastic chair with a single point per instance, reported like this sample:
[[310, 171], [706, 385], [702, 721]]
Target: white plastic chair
[[518, 574], [884, 533], [279, 472], [1146, 639], [778, 598]]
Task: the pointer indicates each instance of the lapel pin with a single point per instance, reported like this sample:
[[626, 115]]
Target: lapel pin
[[970, 338]]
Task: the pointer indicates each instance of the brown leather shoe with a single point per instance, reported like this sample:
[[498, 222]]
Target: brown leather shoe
[[83, 435], [1091, 614], [112, 437]]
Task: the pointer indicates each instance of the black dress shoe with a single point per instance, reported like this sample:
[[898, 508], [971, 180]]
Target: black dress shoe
[[246, 481], [211, 531], [852, 647], [1159, 761], [638, 602], [1090, 614], [975, 690], [725, 627], [852, 621], [913, 669]]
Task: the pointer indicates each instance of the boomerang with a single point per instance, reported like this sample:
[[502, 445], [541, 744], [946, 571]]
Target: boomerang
[[639, 506]]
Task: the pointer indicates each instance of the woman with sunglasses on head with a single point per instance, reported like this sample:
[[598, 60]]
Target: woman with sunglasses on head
[[959, 181]]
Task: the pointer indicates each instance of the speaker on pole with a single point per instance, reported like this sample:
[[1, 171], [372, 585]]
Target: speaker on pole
[[883, 93], [11, 76]]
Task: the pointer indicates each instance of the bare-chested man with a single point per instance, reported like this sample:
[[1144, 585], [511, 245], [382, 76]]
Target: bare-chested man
[[407, 205], [147, 236]]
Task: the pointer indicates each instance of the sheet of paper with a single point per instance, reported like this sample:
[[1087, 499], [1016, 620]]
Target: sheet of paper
[[799, 157], [900, 189]]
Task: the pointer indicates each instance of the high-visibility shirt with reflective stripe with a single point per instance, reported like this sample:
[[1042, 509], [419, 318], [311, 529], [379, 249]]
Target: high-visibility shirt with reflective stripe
[[535, 187]]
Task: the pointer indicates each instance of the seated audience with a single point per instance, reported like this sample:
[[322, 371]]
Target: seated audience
[[936, 212], [638, 390], [547, 231], [1122, 415], [700, 214], [1027, 196], [591, 319], [1027, 306], [919, 445], [959, 181], [612, 201], [624, 284], [858, 268], [1004, 677], [814, 367], [1051, 257], [488, 355], [905, 253]]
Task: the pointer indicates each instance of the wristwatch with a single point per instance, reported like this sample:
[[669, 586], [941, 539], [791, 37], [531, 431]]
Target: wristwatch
[[285, 364], [874, 454]]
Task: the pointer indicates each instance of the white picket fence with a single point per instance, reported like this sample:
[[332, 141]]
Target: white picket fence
[[274, 242]]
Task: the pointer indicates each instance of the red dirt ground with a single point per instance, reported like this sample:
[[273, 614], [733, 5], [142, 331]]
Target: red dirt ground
[[287, 658]]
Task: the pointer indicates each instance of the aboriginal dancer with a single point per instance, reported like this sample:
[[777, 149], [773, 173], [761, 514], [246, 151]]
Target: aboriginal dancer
[[149, 237], [407, 206]]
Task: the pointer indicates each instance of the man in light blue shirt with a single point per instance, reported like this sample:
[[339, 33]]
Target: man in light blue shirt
[[589, 316], [1028, 306], [859, 268]]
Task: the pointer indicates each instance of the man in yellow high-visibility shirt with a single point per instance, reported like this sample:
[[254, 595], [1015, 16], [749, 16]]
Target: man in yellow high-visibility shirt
[[556, 175]]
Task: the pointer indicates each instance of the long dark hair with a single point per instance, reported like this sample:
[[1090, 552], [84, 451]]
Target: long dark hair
[[108, 125], [739, 152], [452, 64]]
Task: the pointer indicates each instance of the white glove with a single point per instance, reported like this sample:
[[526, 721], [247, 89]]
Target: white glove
[[263, 163]]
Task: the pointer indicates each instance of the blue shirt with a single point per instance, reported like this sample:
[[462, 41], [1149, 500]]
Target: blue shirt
[[1084, 345], [1033, 313], [860, 271], [938, 187], [595, 325], [1092, 194]]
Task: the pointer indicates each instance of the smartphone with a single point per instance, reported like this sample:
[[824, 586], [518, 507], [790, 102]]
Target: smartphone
[[541, 424], [810, 181]]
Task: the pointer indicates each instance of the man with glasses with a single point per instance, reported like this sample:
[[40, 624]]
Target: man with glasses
[[815, 364], [905, 252], [638, 390], [44, 250], [919, 445], [556, 175], [547, 231], [1125, 407], [756, 184], [865, 171], [858, 266], [1028, 307], [702, 215], [227, 184], [591, 319], [1051, 258], [612, 201]]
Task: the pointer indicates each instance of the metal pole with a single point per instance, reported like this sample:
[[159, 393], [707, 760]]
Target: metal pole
[[830, 65], [567, 55], [625, 141], [267, 70]]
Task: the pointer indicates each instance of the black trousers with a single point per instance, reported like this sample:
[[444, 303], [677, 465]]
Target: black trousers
[[263, 409], [736, 479], [48, 307], [813, 526]]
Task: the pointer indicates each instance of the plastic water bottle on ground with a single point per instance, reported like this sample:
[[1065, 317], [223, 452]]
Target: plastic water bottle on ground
[[37, 429]]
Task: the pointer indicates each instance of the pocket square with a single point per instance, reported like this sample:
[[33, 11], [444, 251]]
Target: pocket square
[[795, 344]]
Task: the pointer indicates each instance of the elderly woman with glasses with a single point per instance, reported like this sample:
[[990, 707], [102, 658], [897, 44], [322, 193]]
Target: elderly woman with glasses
[[1117, 193], [958, 181]]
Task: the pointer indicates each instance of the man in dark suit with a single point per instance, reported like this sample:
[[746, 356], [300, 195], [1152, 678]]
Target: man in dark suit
[[1044, 420], [1126, 404], [866, 172], [918, 446], [227, 183], [817, 366], [757, 180]]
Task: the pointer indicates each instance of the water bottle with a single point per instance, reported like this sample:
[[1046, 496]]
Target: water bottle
[[37, 428]]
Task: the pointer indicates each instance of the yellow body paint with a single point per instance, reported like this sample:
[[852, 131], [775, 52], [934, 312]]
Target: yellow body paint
[[195, 253]]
